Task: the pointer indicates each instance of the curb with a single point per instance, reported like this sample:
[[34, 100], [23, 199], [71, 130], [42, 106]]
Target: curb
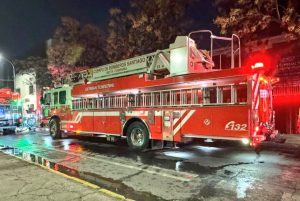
[[67, 172]]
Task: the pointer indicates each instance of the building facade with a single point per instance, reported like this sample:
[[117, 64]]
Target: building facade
[[26, 87], [287, 93]]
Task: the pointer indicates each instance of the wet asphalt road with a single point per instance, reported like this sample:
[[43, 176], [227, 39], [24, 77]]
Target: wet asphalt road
[[205, 171]]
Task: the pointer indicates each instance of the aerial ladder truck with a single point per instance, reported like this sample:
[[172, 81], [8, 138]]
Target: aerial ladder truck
[[168, 96]]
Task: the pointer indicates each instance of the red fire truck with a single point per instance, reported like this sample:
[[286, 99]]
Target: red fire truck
[[9, 109], [171, 95]]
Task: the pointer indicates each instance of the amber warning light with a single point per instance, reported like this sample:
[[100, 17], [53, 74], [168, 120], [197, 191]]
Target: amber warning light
[[258, 65]]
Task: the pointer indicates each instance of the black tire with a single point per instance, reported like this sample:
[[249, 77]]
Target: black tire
[[137, 136], [54, 129]]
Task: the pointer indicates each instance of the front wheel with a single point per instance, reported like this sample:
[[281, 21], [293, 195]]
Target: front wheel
[[137, 136], [54, 129]]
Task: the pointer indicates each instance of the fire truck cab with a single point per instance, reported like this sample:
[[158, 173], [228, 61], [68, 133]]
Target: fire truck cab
[[56, 103], [171, 95]]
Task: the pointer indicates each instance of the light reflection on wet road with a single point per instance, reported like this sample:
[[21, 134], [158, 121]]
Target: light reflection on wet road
[[228, 171]]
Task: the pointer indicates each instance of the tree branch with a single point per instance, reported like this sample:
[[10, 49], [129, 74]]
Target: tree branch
[[277, 9]]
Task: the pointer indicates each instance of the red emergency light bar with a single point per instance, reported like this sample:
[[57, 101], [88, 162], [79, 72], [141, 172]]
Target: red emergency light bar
[[5, 93], [258, 65]]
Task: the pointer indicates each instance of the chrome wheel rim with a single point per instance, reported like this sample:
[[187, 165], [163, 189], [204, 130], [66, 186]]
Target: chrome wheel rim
[[137, 137]]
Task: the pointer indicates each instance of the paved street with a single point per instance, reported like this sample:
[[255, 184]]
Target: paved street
[[223, 171], [24, 181]]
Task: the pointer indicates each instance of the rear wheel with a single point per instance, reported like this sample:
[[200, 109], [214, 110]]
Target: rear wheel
[[137, 136], [54, 129]]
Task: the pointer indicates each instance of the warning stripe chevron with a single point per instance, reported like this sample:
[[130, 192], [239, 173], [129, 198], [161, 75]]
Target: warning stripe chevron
[[255, 91], [177, 121], [183, 121]]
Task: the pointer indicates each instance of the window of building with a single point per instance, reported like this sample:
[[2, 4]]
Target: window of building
[[30, 108], [31, 89], [18, 90]]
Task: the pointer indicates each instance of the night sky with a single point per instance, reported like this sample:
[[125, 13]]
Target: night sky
[[27, 24]]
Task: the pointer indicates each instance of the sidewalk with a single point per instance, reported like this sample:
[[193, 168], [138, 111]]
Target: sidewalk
[[20, 180], [289, 142]]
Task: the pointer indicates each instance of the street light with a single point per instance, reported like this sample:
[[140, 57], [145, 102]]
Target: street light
[[14, 71]]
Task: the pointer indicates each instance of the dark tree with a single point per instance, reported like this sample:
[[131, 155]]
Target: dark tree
[[92, 41], [147, 27], [65, 49], [117, 47], [74, 46], [253, 20]]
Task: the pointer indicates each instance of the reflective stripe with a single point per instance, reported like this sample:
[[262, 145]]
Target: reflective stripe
[[255, 92], [177, 119], [184, 120]]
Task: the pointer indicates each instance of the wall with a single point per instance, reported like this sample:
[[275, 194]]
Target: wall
[[23, 81]]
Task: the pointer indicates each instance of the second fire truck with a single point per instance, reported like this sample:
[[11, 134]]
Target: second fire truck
[[10, 110], [171, 95]]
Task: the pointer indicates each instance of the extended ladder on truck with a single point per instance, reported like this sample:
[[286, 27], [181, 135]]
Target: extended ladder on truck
[[163, 63]]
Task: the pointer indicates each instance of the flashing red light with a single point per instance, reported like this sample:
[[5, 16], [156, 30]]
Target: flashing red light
[[20, 120], [258, 65], [263, 80], [256, 128], [259, 61], [275, 80]]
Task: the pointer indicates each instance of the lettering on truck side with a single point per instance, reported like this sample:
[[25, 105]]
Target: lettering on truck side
[[233, 126], [104, 86]]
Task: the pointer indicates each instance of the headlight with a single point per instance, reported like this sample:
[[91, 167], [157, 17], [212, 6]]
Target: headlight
[[245, 141]]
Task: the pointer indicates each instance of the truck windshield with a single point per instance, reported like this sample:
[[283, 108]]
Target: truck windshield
[[62, 97], [47, 99], [55, 95]]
